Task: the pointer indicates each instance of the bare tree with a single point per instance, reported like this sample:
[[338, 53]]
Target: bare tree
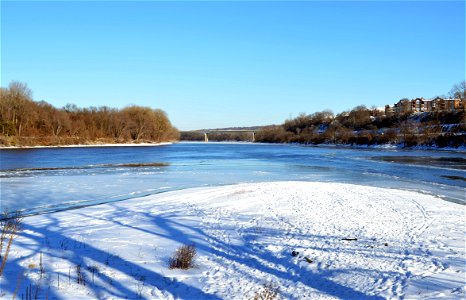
[[22, 118], [458, 91]]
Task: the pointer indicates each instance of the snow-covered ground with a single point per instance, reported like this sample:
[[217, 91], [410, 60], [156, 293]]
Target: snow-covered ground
[[407, 245]]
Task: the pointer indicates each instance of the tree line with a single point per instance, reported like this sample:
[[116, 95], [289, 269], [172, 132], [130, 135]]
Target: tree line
[[369, 126], [198, 136], [24, 121], [363, 126]]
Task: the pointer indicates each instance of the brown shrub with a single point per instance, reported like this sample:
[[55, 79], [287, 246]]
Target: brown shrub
[[183, 258]]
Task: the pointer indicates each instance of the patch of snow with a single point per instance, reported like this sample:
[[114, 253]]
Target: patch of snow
[[90, 145]]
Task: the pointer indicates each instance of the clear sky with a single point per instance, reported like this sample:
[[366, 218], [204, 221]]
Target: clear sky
[[219, 64]]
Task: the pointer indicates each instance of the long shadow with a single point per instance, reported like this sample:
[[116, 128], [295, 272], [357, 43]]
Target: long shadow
[[238, 254], [186, 239], [247, 255], [87, 251], [250, 254], [15, 279], [36, 248]]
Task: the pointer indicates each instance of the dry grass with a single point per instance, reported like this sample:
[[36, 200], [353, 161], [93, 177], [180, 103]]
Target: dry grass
[[183, 258], [80, 276], [10, 225]]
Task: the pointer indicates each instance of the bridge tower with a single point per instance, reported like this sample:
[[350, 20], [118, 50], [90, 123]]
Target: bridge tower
[[206, 138]]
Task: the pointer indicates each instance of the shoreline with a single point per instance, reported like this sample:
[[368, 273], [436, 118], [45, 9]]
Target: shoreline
[[89, 145], [57, 208], [388, 147]]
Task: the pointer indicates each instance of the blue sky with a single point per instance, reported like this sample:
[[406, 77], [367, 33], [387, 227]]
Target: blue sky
[[220, 64]]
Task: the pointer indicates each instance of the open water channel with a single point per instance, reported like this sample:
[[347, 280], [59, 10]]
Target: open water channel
[[39, 180]]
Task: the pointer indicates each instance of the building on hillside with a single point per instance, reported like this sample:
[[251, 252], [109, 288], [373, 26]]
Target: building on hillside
[[428, 106], [418, 105], [403, 106], [440, 104], [459, 104], [389, 109]]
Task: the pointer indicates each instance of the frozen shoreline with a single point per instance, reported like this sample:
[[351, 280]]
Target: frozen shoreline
[[341, 146], [391, 147], [88, 146], [408, 245]]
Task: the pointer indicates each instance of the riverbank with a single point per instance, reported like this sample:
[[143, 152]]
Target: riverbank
[[15, 142], [399, 146], [349, 241], [89, 145], [391, 147], [324, 145]]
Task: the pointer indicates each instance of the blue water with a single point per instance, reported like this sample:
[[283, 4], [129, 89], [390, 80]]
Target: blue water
[[48, 179]]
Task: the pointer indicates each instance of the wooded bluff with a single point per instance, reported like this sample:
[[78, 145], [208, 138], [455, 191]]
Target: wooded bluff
[[24, 122]]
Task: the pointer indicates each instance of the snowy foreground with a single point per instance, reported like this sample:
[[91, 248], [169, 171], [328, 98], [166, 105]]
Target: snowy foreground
[[407, 245]]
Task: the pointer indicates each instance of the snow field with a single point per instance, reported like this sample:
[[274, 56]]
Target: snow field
[[407, 245]]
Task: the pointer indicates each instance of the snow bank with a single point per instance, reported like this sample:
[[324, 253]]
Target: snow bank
[[90, 145], [398, 244]]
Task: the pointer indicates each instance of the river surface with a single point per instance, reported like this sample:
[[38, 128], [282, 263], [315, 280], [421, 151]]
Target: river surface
[[48, 179]]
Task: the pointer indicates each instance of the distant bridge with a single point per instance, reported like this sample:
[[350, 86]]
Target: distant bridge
[[206, 132]]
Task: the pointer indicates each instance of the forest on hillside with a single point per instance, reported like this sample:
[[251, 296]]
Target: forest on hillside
[[371, 126], [363, 126], [25, 122]]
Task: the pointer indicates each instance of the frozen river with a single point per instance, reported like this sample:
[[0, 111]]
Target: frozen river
[[48, 179]]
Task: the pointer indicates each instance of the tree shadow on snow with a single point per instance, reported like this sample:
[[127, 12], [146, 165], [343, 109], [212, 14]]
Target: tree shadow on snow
[[249, 254], [78, 252], [155, 226]]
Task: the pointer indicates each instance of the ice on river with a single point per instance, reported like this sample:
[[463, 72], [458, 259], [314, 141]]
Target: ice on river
[[349, 241]]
